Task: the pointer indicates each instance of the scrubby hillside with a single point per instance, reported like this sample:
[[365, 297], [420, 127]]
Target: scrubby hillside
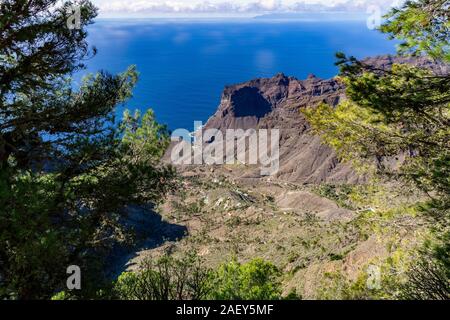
[[317, 219]]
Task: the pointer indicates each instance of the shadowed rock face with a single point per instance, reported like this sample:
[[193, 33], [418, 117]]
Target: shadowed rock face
[[151, 231], [249, 102]]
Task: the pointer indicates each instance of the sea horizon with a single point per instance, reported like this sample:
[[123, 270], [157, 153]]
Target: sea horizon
[[185, 64]]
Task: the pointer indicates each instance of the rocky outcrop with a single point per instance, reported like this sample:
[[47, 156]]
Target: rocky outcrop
[[264, 102], [276, 103]]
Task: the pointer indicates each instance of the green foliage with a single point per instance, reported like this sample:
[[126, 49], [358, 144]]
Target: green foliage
[[423, 26], [255, 280], [68, 169], [396, 122], [339, 193], [399, 114], [367, 286], [60, 296], [144, 136], [167, 278], [361, 135], [404, 275], [33, 248], [428, 278]]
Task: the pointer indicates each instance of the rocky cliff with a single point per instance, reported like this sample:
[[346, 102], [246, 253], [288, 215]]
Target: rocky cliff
[[275, 103]]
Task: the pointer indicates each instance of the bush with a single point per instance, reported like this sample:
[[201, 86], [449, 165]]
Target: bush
[[428, 278], [165, 279], [255, 280], [186, 278]]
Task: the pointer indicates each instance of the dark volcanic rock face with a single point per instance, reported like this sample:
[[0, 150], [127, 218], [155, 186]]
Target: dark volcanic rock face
[[252, 103], [249, 102]]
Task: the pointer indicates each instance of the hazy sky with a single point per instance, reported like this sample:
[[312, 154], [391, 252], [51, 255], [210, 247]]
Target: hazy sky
[[232, 7]]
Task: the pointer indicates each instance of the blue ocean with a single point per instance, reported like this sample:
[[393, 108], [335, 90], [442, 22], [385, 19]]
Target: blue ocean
[[184, 65]]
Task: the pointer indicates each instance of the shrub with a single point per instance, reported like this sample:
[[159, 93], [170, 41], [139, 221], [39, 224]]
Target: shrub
[[167, 278], [187, 278], [255, 280]]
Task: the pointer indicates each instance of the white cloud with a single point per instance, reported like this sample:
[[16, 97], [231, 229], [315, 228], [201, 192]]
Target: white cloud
[[143, 7]]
